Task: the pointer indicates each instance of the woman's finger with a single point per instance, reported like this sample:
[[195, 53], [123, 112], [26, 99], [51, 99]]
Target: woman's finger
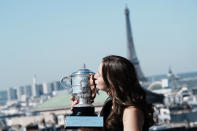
[[72, 98], [73, 104], [92, 82]]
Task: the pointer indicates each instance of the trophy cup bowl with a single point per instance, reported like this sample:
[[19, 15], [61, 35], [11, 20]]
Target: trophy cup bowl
[[78, 84]]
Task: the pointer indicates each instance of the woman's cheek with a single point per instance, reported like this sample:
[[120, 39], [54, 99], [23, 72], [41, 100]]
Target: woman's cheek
[[103, 86]]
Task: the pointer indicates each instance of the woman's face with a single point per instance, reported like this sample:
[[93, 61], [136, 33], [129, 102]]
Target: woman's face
[[100, 84]]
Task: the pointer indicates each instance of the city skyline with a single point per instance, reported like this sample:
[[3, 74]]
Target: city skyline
[[42, 37]]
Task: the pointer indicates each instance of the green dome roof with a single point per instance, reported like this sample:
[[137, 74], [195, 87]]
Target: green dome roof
[[63, 100]]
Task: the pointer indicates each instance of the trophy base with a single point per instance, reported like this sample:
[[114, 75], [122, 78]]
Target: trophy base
[[83, 111], [83, 117]]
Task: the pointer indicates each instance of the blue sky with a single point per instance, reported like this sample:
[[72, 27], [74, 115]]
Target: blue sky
[[54, 38]]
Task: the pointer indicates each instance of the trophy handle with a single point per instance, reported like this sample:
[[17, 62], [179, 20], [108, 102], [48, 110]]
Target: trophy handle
[[64, 83]]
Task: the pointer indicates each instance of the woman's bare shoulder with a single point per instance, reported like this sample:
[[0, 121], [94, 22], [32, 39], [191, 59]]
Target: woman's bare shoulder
[[133, 113]]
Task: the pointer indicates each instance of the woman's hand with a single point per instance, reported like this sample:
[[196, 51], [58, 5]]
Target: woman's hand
[[93, 88], [74, 102]]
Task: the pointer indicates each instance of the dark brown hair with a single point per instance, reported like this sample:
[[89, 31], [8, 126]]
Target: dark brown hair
[[124, 89]]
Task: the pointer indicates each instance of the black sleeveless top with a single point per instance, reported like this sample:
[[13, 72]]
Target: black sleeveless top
[[106, 110]]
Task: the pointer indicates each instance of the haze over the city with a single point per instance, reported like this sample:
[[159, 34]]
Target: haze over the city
[[52, 39]]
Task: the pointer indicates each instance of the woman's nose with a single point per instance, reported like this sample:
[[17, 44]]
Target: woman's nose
[[96, 76]]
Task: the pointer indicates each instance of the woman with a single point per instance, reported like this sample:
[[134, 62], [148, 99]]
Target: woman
[[126, 108]]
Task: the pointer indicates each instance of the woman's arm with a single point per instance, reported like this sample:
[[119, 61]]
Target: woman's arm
[[133, 119]]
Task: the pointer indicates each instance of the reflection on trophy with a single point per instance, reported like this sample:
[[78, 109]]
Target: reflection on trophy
[[78, 83]]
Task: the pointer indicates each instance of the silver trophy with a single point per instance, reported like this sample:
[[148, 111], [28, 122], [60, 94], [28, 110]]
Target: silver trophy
[[78, 84]]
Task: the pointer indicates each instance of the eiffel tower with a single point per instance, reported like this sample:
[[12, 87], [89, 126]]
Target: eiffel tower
[[131, 53]]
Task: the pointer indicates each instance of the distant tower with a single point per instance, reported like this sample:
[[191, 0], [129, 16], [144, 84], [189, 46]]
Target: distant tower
[[20, 91], [35, 88], [172, 79], [131, 54], [170, 72], [28, 91], [12, 95]]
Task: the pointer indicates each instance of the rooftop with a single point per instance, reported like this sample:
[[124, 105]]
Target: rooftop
[[63, 101]]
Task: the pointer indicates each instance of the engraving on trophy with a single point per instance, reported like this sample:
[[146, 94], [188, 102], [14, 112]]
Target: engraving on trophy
[[85, 89]]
